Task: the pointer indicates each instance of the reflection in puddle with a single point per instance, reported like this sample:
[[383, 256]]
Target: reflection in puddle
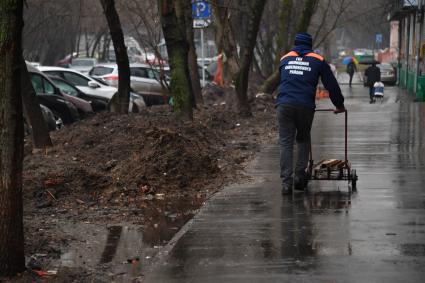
[[324, 200], [112, 242], [115, 244], [304, 232]]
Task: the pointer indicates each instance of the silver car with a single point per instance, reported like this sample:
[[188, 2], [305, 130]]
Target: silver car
[[83, 65], [91, 87], [144, 80], [388, 74]]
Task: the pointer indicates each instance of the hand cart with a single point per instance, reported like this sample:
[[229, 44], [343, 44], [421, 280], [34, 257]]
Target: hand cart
[[334, 169]]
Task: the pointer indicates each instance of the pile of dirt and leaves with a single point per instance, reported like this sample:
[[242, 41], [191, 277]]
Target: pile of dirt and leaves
[[148, 169]]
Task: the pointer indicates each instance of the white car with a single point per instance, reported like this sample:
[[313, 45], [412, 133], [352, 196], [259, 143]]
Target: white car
[[144, 80], [90, 86], [83, 82], [83, 65]]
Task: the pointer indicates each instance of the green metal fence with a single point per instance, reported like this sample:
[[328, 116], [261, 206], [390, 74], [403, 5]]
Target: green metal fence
[[411, 82], [420, 92], [402, 77], [406, 80]]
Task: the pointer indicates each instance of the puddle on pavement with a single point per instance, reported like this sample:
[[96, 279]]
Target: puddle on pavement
[[125, 249], [412, 249], [102, 245]]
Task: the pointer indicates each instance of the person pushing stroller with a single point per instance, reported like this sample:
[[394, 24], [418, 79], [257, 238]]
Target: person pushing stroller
[[373, 75]]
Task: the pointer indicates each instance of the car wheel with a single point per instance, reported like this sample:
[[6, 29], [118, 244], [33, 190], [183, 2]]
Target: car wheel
[[135, 108], [58, 120]]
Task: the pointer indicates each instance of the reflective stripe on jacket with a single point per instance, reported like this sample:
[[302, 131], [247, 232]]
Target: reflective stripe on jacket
[[299, 76]]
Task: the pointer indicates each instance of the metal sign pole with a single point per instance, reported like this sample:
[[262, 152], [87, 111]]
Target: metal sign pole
[[201, 14], [203, 57]]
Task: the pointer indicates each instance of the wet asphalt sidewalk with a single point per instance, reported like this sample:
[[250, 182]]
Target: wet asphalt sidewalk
[[250, 233]]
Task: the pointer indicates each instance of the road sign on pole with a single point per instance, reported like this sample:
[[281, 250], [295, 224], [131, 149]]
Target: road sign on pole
[[201, 14], [200, 10], [378, 38], [201, 23]]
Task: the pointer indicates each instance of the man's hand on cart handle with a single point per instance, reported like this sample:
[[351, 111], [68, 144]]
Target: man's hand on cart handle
[[340, 110]]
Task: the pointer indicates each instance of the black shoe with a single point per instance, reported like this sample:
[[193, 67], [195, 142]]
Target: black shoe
[[300, 182], [286, 189]]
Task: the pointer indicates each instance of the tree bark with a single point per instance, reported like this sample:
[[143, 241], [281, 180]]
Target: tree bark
[[11, 139], [225, 41], [193, 62], [272, 82], [283, 40], [237, 66], [39, 130], [247, 53], [96, 43], [121, 102], [306, 15], [173, 22]]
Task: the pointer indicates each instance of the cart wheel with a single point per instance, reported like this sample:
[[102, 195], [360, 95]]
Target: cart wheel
[[354, 179]]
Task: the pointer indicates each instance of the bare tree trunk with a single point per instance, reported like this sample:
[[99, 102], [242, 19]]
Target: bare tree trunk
[[247, 53], [173, 20], [105, 47], [39, 130], [225, 40], [96, 43], [86, 39], [120, 104], [306, 15], [11, 139], [283, 40], [271, 84], [193, 62]]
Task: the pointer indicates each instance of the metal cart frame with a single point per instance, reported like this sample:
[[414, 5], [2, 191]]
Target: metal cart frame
[[332, 169]]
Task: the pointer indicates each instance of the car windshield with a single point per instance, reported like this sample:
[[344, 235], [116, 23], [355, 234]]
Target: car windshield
[[82, 63], [76, 79], [101, 71], [65, 87], [385, 66]]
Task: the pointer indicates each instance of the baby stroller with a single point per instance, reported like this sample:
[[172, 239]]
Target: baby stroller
[[378, 91]]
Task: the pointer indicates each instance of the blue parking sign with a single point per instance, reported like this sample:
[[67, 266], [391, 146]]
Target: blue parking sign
[[200, 10], [378, 38]]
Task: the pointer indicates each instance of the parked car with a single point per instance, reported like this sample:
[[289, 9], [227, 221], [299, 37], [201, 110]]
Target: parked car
[[48, 117], [144, 80], [388, 73], [40, 80], [49, 95], [98, 103], [83, 65], [83, 82], [52, 123], [91, 86]]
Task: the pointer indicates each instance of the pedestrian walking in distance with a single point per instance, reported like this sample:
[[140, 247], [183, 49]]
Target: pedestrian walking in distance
[[373, 75], [300, 71], [351, 69]]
